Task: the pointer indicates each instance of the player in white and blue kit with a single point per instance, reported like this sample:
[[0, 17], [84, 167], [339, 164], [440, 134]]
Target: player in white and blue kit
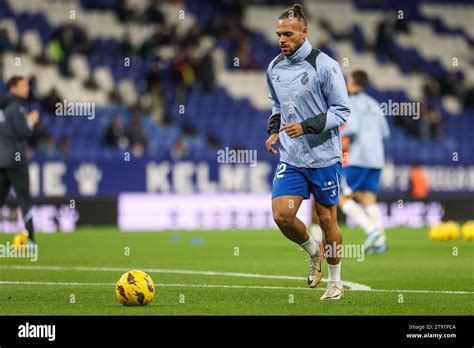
[[309, 103], [366, 129]]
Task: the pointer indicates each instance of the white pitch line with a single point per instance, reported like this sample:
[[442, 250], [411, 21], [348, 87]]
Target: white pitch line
[[449, 292], [351, 285]]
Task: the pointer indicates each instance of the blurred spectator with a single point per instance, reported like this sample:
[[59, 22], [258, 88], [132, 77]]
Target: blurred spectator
[[192, 37], [431, 90], [49, 102], [163, 36], [115, 136], [449, 84], [38, 136], [183, 73], [155, 97], [33, 82], [430, 122], [64, 148], [386, 35], [153, 13], [123, 11], [158, 108], [125, 46], [468, 102], [136, 138], [180, 150], [91, 83], [153, 75], [205, 72], [213, 141], [48, 148], [419, 182], [242, 57], [401, 24], [188, 130], [83, 44], [5, 43], [54, 51], [66, 40]]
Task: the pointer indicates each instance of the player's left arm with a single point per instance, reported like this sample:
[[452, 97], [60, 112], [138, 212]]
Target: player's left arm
[[335, 92], [353, 125], [385, 127]]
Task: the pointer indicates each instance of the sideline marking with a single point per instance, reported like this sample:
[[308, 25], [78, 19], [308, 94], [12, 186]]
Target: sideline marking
[[351, 285]]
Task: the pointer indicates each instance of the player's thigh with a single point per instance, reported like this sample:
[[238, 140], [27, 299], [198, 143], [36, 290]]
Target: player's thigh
[[284, 208], [368, 198], [358, 196], [354, 178], [370, 184], [325, 184], [289, 181]]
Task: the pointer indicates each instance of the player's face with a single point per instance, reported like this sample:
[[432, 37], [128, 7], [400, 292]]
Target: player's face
[[291, 35], [22, 89], [350, 84]]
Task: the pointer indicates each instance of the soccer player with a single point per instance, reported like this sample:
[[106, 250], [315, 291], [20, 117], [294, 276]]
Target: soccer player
[[366, 130], [15, 128], [309, 103]]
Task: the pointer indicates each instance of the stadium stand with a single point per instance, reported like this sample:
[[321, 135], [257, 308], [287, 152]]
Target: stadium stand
[[185, 82]]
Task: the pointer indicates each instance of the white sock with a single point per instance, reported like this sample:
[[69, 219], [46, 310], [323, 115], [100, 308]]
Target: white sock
[[316, 232], [334, 272], [357, 213], [310, 246], [373, 212]]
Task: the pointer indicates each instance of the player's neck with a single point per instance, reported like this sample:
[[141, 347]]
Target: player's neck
[[301, 53]]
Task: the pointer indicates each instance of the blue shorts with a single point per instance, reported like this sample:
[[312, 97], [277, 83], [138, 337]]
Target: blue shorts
[[323, 183], [361, 179]]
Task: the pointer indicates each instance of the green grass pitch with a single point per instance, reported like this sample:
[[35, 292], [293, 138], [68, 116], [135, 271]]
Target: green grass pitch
[[220, 273]]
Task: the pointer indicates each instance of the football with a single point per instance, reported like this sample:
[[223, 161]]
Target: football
[[135, 288]]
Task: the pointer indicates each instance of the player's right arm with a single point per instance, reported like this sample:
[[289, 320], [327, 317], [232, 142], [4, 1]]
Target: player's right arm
[[274, 120]]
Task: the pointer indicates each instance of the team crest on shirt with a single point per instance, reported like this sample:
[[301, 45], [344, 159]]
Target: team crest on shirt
[[304, 79]]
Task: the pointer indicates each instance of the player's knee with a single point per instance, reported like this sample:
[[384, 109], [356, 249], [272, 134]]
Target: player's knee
[[283, 218]]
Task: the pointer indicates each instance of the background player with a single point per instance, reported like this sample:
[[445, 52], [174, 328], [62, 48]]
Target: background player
[[15, 128], [309, 103], [365, 132], [366, 129]]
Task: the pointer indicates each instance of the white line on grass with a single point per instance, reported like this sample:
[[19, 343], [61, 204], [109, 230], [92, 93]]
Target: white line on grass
[[13, 282], [351, 285]]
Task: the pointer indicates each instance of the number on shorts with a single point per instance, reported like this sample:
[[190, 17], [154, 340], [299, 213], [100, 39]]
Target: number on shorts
[[281, 169]]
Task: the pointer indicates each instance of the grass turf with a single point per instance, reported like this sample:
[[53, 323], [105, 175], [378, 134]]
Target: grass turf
[[412, 263]]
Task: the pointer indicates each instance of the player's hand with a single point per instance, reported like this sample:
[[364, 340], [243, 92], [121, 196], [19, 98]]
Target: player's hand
[[272, 140], [292, 129], [33, 117]]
